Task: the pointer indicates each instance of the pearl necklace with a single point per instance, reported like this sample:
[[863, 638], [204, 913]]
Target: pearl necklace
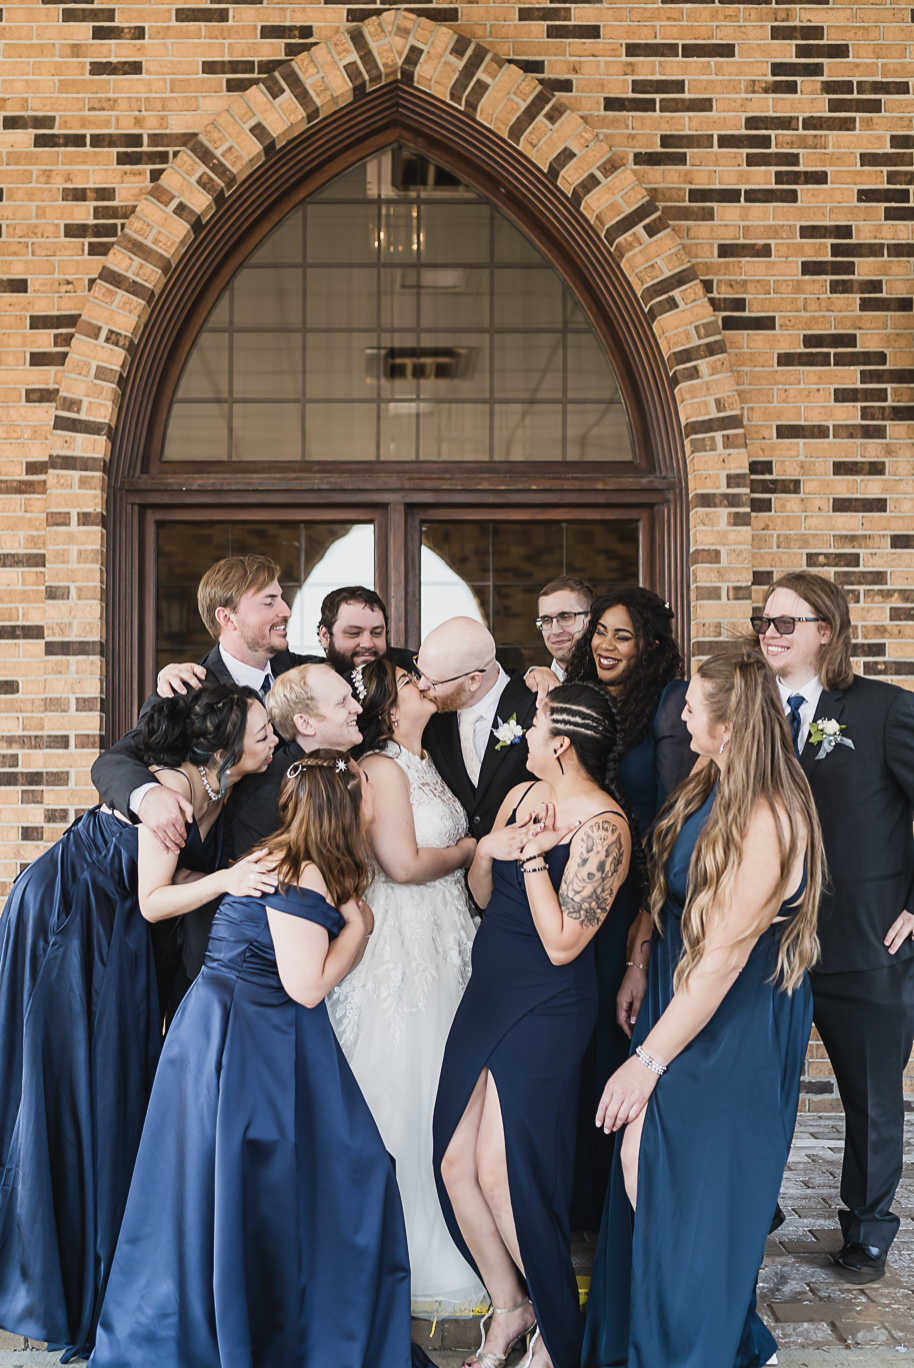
[[211, 794]]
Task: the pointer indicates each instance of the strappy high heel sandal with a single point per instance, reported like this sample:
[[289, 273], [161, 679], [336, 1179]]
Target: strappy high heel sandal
[[485, 1358], [528, 1357]]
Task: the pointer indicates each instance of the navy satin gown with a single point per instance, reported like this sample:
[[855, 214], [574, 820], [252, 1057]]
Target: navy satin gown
[[528, 1022], [80, 1035], [264, 1224], [673, 1285], [648, 774]]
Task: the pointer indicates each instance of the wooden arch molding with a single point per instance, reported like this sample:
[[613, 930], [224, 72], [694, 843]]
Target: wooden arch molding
[[397, 77]]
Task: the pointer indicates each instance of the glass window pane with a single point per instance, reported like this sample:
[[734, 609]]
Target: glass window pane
[[454, 432], [590, 375], [284, 244], [399, 296], [399, 233], [197, 432], [206, 374], [465, 305], [398, 430], [350, 185], [267, 365], [341, 365], [527, 298], [465, 359], [528, 366], [266, 432], [342, 232], [268, 297], [511, 245], [456, 233], [528, 432], [598, 432], [342, 297], [341, 432]]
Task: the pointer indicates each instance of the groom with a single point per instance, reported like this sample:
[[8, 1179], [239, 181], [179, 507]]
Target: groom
[[477, 701], [855, 740]]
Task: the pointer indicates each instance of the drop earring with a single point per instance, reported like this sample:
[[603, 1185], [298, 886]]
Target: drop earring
[[559, 759]]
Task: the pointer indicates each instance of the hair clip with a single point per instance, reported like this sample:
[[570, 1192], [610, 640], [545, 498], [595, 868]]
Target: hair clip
[[358, 683], [342, 766]]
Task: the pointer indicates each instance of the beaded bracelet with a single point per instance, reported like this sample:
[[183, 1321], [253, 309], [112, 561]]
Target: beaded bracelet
[[633, 964], [654, 1065], [534, 869]]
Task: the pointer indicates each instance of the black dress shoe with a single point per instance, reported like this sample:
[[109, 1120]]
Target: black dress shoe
[[777, 1219], [860, 1263]]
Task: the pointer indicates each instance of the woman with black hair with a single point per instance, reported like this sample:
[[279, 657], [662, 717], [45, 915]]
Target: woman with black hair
[[81, 1025], [505, 1117], [629, 648], [392, 1014]]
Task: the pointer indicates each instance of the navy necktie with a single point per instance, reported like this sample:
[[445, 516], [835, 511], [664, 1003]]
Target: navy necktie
[[265, 686], [795, 703]]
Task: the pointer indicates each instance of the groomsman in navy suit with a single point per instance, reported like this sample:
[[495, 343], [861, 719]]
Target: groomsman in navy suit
[[855, 741]]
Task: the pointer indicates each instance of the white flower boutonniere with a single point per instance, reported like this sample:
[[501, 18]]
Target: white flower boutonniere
[[508, 733], [826, 734]]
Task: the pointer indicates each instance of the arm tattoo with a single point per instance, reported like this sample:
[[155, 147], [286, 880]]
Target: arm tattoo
[[589, 888]]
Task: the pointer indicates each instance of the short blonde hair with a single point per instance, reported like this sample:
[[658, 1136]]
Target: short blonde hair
[[291, 694], [226, 583]]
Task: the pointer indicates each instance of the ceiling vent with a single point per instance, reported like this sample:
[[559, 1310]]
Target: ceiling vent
[[401, 173], [419, 363]]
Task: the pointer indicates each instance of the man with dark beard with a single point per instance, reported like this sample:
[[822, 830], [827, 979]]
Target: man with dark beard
[[353, 627]]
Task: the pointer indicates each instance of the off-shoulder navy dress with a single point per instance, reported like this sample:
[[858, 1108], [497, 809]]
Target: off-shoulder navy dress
[[528, 1022], [673, 1285], [80, 1035], [264, 1223], [648, 773]]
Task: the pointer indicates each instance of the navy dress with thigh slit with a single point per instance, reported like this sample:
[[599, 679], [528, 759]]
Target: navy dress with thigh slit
[[528, 1022]]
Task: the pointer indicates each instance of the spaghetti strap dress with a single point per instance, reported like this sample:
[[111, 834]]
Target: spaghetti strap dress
[[674, 1283], [80, 1035], [264, 1224], [528, 1022]]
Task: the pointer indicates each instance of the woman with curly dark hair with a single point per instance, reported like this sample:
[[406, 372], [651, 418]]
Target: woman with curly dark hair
[[628, 646]]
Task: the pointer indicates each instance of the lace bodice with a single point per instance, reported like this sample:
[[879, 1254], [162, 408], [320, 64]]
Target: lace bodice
[[421, 930]]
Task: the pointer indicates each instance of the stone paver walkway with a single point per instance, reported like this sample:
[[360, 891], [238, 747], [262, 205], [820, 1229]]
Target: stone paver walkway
[[817, 1318]]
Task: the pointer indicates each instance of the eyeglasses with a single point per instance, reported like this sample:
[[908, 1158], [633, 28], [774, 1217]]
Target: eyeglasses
[[436, 683], [784, 626], [404, 680], [562, 619]]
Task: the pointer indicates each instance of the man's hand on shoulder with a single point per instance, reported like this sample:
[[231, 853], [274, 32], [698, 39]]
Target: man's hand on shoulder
[[165, 813], [901, 928], [540, 680], [178, 678]]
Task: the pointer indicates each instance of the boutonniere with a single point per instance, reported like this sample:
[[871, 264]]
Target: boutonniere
[[508, 733], [826, 734]]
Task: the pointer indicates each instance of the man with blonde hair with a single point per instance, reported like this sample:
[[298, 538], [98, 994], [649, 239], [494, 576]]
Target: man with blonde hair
[[855, 741], [241, 604]]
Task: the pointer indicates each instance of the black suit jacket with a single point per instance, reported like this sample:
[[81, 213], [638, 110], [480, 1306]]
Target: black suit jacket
[[119, 771], [252, 809], [865, 800], [501, 769]]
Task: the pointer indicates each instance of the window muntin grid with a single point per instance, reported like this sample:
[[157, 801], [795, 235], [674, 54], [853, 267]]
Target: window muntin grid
[[290, 365]]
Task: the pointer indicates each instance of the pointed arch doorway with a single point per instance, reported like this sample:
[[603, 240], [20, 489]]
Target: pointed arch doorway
[[621, 502]]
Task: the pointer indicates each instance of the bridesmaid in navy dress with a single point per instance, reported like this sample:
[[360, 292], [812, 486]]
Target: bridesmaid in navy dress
[[709, 1096], [628, 646], [506, 1112], [81, 1025], [264, 1223]]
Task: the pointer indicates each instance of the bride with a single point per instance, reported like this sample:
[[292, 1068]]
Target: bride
[[393, 1013]]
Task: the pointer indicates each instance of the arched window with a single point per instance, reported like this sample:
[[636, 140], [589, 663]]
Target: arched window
[[386, 354]]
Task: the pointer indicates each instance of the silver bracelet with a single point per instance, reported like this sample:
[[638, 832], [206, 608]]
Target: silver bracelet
[[648, 1062]]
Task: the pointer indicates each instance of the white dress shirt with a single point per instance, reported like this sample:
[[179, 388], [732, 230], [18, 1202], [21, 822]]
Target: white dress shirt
[[245, 676], [486, 712], [812, 692], [558, 670]]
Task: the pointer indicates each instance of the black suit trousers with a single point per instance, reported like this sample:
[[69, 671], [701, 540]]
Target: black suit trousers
[[866, 1021]]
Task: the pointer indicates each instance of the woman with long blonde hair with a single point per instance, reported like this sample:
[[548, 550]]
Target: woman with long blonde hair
[[708, 1097], [263, 1223]]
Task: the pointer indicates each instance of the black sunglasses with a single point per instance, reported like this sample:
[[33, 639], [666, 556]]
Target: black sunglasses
[[784, 626]]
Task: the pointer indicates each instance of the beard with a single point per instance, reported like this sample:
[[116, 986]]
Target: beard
[[461, 697], [345, 664]]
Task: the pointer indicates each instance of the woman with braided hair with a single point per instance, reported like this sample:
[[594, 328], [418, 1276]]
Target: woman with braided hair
[[506, 1113], [264, 1223], [708, 1098]]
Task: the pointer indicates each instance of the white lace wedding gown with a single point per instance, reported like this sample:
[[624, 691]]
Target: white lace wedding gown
[[392, 1016]]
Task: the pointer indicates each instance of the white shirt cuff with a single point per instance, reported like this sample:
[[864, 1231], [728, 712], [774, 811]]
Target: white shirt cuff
[[138, 795]]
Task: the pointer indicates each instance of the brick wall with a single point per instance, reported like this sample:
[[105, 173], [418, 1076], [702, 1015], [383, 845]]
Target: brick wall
[[778, 142]]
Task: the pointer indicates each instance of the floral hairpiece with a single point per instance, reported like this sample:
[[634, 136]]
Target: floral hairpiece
[[341, 766], [358, 683], [309, 762]]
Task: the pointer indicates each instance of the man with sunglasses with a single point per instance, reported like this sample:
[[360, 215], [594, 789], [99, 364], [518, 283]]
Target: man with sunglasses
[[855, 741], [475, 697]]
